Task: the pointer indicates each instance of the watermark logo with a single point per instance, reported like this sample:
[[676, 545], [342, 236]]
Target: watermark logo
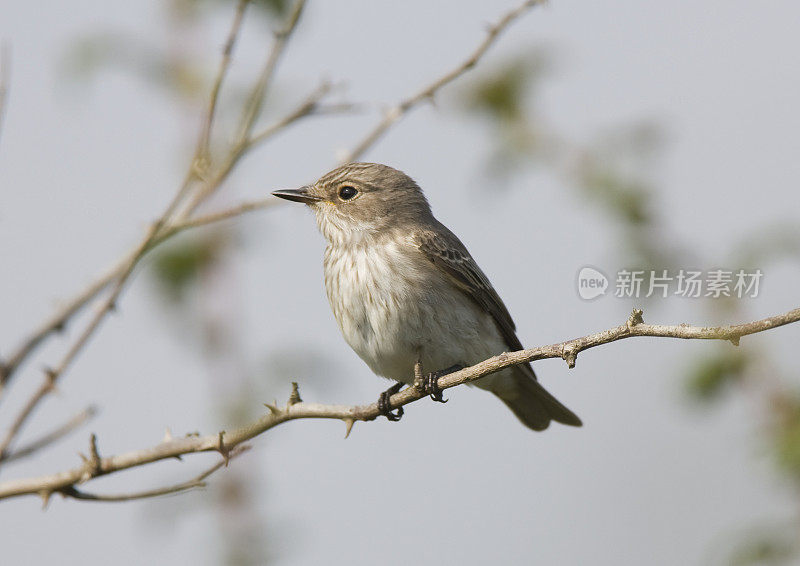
[[591, 283], [642, 284]]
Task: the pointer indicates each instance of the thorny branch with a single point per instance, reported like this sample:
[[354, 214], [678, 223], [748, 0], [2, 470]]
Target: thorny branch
[[210, 178], [58, 321], [51, 437], [195, 482], [201, 181], [226, 442]]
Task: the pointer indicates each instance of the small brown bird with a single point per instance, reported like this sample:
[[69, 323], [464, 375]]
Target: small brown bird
[[407, 294]]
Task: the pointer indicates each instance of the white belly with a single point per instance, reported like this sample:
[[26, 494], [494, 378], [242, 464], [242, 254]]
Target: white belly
[[393, 313]]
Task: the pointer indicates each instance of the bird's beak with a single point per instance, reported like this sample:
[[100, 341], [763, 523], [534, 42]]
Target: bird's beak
[[297, 195]]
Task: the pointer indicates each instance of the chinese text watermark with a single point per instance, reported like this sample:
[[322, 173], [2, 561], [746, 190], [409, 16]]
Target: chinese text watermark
[[641, 283]]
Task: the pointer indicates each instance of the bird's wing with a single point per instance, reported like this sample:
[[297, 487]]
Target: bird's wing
[[446, 251], [532, 404]]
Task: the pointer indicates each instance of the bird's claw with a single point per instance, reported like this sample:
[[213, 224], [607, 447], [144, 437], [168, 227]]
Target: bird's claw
[[384, 405], [430, 385]]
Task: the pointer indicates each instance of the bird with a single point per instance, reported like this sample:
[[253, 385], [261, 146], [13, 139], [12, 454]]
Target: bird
[[407, 295]]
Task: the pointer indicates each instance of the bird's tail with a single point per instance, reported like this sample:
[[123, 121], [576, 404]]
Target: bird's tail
[[531, 402]]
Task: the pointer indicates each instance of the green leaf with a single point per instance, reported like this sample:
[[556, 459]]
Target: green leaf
[[711, 376], [178, 266]]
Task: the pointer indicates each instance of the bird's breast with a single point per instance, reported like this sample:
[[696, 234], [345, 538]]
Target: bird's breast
[[394, 307]]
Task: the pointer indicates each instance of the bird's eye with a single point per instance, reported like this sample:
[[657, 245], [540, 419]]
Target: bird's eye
[[347, 192]]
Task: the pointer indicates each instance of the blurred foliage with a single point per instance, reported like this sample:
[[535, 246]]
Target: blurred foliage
[[301, 363], [245, 532], [615, 173], [86, 58], [502, 97], [765, 551], [777, 241], [716, 373], [785, 413], [777, 546], [185, 9], [163, 66], [178, 265]]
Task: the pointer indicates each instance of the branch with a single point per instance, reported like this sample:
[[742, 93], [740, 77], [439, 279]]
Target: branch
[[121, 274], [159, 230], [196, 482], [295, 408], [203, 152], [58, 321], [256, 99], [427, 93], [214, 217], [309, 107], [250, 115], [51, 437]]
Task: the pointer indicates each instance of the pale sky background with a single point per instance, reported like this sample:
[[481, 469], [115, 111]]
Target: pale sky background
[[650, 479]]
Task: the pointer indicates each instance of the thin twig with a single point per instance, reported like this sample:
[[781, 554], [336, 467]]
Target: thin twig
[[250, 114], [168, 225], [256, 98], [196, 482], [427, 93], [59, 320], [51, 437], [307, 108], [219, 216], [203, 152], [109, 304], [224, 442]]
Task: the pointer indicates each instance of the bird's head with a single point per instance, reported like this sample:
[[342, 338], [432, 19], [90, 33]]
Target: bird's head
[[361, 199]]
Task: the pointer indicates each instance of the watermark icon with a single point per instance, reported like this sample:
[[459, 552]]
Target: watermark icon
[[691, 283], [592, 283]]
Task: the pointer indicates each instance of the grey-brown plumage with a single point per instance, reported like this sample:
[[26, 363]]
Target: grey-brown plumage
[[404, 289]]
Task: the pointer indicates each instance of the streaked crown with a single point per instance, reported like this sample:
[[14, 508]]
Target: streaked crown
[[359, 199]]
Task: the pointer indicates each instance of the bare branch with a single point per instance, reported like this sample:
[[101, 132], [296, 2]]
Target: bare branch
[[60, 319], [203, 153], [108, 305], [296, 409], [51, 437], [249, 117], [309, 107], [121, 275], [256, 99], [427, 93], [196, 482], [27, 410], [214, 217]]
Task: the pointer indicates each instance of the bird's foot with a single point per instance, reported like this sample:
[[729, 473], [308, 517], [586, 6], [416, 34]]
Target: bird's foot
[[430, 383], [384, 406]]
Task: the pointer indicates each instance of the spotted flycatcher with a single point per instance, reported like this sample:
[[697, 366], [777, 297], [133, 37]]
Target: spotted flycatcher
[[408, 295]]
